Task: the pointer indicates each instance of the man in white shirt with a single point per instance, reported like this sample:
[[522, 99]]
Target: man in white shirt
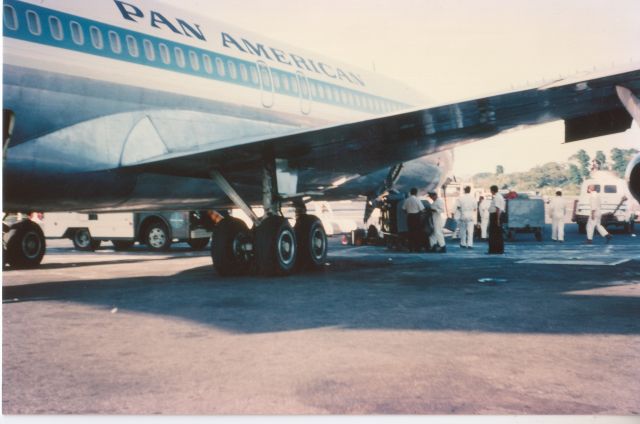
[[557, 212], [413, 206], [483, 206], [436, 240], [496, 209], [595, 216], [468, 209]]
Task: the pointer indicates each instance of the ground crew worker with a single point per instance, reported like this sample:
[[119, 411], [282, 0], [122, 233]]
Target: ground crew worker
[[413, 206], [468, 209], [557, 212], [496, 209], [436, 240], [595, 216], [483, 207]]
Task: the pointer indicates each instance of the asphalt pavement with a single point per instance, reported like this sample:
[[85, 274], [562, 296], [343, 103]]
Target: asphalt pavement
[[547, 328]]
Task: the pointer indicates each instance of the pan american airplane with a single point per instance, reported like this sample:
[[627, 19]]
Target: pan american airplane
[[134, 105]]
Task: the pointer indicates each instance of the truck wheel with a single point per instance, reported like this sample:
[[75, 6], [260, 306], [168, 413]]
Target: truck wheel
[[82, 240], [199, 243], [157, 236], [122, 244], [538, 235], [228, 247], [25, 245], [582, 227], [312, 242]]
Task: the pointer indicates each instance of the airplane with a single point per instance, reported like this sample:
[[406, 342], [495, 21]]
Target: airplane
[[132, 105]]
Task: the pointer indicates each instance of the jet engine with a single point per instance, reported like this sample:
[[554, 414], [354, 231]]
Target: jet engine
[[632, 175]]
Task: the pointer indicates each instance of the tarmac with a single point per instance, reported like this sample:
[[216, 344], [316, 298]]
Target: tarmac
[[546, 328]]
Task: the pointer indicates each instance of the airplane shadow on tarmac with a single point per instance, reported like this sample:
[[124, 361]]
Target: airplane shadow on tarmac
[[360, 294]]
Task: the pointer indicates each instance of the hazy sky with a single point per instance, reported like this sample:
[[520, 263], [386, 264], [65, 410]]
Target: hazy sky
[[455, 49]]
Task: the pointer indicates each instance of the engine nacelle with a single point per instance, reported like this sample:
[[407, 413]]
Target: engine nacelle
[[632, 175]]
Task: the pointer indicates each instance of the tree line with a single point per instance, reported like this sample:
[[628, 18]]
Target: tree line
[[567, 176]]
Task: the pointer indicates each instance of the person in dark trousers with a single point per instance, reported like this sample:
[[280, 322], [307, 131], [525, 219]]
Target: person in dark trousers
[[497, 208], [414, 207]]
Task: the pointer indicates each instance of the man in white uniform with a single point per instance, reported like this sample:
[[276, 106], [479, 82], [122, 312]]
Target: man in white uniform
[[413, 206], [436, 240], [484, 217], [468, 209], [595, 217], [557, 212]]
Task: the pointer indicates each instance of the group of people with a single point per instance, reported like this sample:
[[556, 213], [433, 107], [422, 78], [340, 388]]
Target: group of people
[[490, 213]]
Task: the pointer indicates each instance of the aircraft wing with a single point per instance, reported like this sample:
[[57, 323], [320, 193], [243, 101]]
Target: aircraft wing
[[589, 107]]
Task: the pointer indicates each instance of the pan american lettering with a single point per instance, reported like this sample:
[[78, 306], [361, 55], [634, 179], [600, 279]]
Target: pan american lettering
[[157, 20], [280, 56]]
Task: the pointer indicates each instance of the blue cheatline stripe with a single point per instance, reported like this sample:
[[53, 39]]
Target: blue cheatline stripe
[[340, 96]]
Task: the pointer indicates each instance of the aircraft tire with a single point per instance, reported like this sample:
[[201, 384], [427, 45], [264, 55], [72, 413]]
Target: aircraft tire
[[198, 243], [582, 227], [312, 242], [25, 245], [156, 236], [275, 246], [228, 257]]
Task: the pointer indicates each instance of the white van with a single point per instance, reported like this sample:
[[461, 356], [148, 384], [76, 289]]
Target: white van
[[615, 202], [155, 229]]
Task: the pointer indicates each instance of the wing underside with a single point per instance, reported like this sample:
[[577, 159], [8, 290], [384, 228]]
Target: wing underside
[[589, 108]]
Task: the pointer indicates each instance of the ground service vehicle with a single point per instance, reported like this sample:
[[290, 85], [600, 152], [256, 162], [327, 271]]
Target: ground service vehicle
[[615, 202], [155, 229]]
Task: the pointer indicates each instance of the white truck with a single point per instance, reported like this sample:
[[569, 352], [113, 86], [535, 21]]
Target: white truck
[[155, 229], [616, 202]]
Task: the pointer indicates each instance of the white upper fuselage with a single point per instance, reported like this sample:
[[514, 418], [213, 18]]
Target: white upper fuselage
[[96, 86]]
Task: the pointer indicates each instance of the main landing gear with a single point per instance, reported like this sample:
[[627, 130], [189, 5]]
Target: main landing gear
[[272, 247], [23, 244]]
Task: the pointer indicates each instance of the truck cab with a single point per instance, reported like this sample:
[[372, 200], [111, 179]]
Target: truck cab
[[615, 201]]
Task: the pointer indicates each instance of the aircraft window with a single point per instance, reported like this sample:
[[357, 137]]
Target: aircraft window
[[350, 98], [243, 72], [610, 189], [294, 84], [276, 81], [114, 42], [193, 59], [233, 72], [343, 96], [208, 66], [336, 94], [314, 89], [33, 22], [96, 37], [358, 101], [329, 93], [220, 66], [76, 33], [179, 57], [132, 46], [285, 82], [254, 75], [164, 53], [10, 17], [55, 27], [321, 91], [149, 51]]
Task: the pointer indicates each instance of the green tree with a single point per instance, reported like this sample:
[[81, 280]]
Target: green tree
[[620, 158], [575, 176], [584, 162], [499, 170], [601, 159]]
